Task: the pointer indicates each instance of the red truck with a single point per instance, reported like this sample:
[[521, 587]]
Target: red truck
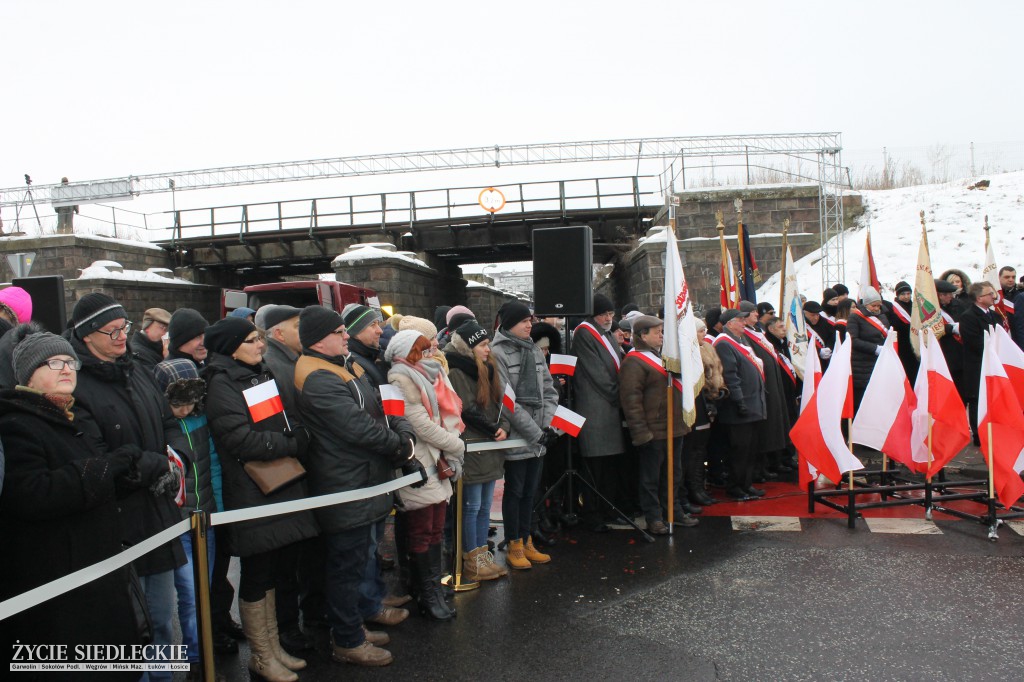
[[334, 295]]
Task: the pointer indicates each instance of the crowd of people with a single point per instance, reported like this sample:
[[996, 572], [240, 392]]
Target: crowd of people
[[112, 435]]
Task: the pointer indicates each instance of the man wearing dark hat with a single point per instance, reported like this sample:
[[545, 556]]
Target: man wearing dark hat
[[186, 335], [773, 432], [824, 331], [120, 395], [642, 382], [354, 446], [898, 313], [595, 395], [712, 318], [148, 342], [363, 324], [740, 413], [765, 310]]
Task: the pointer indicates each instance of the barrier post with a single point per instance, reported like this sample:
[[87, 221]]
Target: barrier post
[[201, 571]]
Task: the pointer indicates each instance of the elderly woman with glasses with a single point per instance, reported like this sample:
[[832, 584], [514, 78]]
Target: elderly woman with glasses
[[247, 435], [58, 509]]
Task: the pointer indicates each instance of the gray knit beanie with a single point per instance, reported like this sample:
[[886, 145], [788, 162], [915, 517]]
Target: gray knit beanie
[[400, 344], [34, 350]]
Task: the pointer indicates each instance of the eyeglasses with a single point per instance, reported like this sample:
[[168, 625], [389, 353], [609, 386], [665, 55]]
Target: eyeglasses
[[115, 334], [255, 339], [57, 364]]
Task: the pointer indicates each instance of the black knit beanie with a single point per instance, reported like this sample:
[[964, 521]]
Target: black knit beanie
[[602, 304], [316, 322], [356, 318], [514, 312], [472, 333], [93, 311], [185, 325], [225, 336]]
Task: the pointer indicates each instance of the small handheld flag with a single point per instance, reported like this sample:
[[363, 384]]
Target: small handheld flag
[[568, 421], [508, 401], [562, 364], [264, 400], [394, 403], [179, 497]]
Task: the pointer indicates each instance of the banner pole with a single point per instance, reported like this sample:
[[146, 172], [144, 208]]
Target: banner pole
[[201, 575], [991, 471], [727, 276], [669, 442], [782, 281], [459, 585], [849, 444]]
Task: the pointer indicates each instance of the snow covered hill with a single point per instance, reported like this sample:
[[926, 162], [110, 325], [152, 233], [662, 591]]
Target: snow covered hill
[[955, 219]]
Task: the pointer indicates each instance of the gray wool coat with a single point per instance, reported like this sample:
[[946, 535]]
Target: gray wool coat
[[596, 394], [527, 422]]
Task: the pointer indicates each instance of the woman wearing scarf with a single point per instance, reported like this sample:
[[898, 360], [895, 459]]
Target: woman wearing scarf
[[521, 365], [434, 411], [58, 510]]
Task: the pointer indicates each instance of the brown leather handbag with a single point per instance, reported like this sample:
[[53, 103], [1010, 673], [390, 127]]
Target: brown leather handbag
[[273, 475], [444, 469]]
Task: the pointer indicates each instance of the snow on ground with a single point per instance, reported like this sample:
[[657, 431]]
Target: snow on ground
[[955, 217], [377, 251], [99, 270]]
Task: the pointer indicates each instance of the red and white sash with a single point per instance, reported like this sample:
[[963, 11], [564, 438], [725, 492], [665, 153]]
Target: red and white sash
[[782, 360], [602, 339], [828, 318], [743, 350], [709, 339], [901, 313], [873, 321], [655, 363], [948, 319]]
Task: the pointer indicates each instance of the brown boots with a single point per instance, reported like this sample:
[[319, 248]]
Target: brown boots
[[515, 556], [531, 553], [259, 621], [479, 565]]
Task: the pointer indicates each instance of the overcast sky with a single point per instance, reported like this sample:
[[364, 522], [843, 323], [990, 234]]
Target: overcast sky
[[105, 89]]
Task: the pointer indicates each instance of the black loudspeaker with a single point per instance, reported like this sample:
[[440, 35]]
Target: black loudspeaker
[[563, 271], [47, 300]]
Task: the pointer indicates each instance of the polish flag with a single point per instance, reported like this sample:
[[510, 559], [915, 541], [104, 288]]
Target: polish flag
[[818, 433], [1012, 358], [812, 377], [568, 421], [999, 414], [264, 400], [393, 400], [509, 399], [939, 405], [884, 420], [562, 364], [176, 460], [868, 274]]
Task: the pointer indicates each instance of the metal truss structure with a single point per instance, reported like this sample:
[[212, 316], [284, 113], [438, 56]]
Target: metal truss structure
[[830, 216]]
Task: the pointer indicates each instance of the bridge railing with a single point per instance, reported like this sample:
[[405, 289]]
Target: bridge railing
[[404, 210]]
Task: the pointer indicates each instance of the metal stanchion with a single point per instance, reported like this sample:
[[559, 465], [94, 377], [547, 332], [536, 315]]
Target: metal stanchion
[[460, 586], [201, 571]]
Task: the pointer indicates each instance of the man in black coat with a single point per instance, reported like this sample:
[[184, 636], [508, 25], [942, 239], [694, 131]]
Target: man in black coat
[[951, 344], [867, 327], [354, 446], [741, 413], [120, 395], [898, 313], [363, 325], [773, 430], [974, 322]]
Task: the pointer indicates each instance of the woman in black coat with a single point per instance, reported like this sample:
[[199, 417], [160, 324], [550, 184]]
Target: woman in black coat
[[58, 510], [867, 329], [266, 546]]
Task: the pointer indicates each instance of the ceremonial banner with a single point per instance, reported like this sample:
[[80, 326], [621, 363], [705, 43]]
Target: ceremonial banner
[[990, 274], [681, 347], [868, 274], [999, 413], [793, 314], [750, 275], [926, 312], [884, 419], [729, 295], [938, 407]]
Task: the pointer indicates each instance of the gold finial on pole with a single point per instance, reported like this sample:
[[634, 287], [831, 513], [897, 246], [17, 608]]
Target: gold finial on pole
[[922, 218]]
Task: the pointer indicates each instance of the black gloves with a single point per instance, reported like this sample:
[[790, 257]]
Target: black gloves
[[404, 452], [742, 409], [550, 436], [169, 482], [301, 437], [412, 466]]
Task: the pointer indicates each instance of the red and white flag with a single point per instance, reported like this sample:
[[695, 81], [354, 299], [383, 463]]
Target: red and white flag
[[568, 421], [393, 400], [264, 400], [818, 433], [812, 377], [176, 460], [884, 419], [938, 406], [868, 274], [990, 274], [1012, 358], [562, 364], [999, 414], [509, 399]]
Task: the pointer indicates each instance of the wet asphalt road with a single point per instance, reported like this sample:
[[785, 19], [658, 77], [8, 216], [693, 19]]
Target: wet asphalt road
[[718, 604]]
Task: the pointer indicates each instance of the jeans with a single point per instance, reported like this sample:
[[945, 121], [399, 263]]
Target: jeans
[[159, 589], [184, 584], [652, 460], [346, 565], [476, 514], [522, 476], [372, 588]]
